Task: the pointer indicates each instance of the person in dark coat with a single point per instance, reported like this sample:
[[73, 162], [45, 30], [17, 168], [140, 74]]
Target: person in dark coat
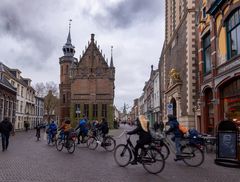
[[105, 129], [5, 129], [174, 128], [144, 135]]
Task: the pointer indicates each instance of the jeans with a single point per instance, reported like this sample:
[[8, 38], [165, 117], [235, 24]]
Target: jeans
[[5, 141], [178, 145]]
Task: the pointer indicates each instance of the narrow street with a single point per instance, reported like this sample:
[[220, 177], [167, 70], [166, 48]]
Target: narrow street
[[29, 160]]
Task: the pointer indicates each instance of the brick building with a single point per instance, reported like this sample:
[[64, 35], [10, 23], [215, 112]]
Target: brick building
[[8, 97], [219, 62], [87, 85], [178, 63]]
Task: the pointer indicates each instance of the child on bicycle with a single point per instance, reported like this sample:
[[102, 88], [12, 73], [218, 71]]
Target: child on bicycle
[[52, 130], [83, 129], [66, 128], [174, 128], [144, 135], [103, 127]]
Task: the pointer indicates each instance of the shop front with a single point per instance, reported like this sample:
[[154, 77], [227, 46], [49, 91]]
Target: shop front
[[230, 100]]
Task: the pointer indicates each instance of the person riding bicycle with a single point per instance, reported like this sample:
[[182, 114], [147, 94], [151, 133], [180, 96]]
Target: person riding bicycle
[[52, 130], [103, 127], [174, 128], [83, 129], [144, 135], [66, 129]]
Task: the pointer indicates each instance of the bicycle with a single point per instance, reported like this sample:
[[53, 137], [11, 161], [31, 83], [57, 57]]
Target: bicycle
[[96, 139], [61, 142], [151, 159], [191, 153]]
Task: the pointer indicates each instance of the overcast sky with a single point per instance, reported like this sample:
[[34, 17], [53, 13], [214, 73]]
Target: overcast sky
[[32, 33]]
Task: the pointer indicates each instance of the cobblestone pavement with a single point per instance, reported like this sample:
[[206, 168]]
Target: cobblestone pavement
[[28, 160]]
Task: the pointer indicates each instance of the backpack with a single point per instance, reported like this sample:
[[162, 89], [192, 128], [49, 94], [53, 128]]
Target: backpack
[[182, 129], [193, 133]]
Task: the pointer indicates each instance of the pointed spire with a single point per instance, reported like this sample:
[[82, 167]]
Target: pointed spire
[[68, 48], [111, 62], [69, 42]]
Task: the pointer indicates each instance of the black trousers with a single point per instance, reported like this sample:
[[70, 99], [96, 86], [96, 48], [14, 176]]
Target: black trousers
[[5, 140], [140, 144]]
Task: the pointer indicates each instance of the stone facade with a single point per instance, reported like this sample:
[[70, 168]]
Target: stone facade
[[178, 61], [87, 85]]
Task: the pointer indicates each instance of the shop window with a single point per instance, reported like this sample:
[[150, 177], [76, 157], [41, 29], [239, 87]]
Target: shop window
[[230, 97], [207, 53], [209, 122], [233, 34]]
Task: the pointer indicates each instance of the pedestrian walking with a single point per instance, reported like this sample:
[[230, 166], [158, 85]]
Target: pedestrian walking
[[38, 131], [5, 129]]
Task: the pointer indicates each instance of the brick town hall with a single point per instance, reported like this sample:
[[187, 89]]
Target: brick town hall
[[86, 85]]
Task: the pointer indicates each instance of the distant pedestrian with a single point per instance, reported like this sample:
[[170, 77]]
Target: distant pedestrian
[[5, 129], [156, 126], [26, 125], [38, 131]]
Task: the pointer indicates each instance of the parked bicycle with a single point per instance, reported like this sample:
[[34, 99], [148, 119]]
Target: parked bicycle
[[191, 153], [62, 142], [151, 158], [108, 143]]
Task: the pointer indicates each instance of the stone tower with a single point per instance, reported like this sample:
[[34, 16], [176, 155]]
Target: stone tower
[[66, 62]]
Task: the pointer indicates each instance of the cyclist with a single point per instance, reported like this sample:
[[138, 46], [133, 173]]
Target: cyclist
[[83, 129], [174, 128], [103, 127], [66, 129], [144, 135], [52, 130]]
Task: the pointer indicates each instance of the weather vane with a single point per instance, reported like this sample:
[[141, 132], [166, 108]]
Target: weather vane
[[111, 49], [70, 24]]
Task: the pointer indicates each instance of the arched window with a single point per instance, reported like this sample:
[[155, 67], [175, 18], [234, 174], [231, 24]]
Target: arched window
[[233, 34], [174, 105]]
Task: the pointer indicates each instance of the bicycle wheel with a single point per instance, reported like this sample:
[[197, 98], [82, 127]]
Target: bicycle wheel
[[71, 147], [59, 144], [122, 155], [153, 161], [92, 143], [109, 144], [192, 155], [163, 149]]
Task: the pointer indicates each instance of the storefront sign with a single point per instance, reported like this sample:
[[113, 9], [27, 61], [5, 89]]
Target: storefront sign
[[227, 145]]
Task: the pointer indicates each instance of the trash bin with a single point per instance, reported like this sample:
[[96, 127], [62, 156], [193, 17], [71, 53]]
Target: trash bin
[[228, 149]]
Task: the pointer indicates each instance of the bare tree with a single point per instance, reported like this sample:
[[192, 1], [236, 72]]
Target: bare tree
[[42, 89], [50, 104]]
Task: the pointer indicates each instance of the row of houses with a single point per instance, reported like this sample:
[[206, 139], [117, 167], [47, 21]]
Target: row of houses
[[18, 100], [198, 74]]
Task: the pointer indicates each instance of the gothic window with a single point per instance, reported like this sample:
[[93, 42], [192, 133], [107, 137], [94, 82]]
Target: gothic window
[[104, 110], [62, 69], [207, 53], [95, 110], [64, 99], [77, 110], [86, 110], [233, 34]]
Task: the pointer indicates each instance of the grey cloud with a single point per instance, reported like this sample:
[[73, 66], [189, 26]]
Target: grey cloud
[[20, 20], [128, 12]]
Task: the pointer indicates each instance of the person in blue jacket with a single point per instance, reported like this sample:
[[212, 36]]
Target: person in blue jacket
[[83, 129], [174, 128], [52, 130]]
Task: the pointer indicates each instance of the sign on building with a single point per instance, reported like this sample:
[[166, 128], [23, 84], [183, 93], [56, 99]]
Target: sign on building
[[170, 109]]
